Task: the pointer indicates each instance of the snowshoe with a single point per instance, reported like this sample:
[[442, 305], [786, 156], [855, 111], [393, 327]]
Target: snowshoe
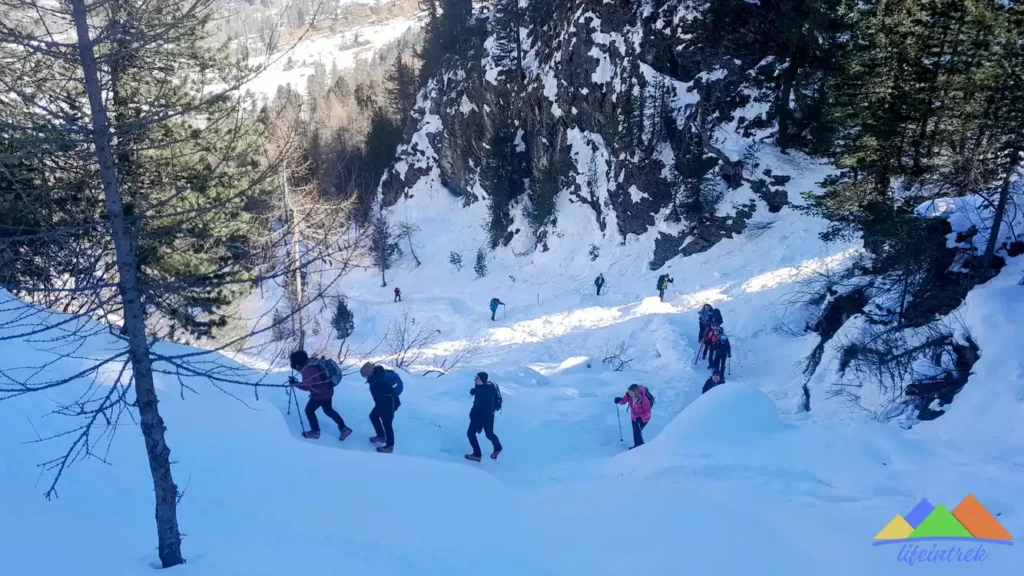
[[311, 435], [376, 440], [345, 433], [494, 455], [473, 457], [385, 450]]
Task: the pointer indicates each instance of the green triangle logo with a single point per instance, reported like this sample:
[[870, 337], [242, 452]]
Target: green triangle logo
[[940, 524]]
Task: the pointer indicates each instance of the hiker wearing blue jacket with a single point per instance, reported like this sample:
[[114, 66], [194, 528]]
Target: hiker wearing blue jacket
[[494, 306], [385, 387]]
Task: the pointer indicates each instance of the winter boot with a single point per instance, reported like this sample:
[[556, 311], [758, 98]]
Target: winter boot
[[473, 457], [385, 449], [345, 433], [494, 455], [376, 440], [311, 435]]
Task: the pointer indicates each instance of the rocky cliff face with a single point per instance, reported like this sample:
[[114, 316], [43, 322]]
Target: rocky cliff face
[[614, 105]]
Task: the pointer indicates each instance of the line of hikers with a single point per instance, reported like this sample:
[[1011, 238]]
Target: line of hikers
[[321, 375]]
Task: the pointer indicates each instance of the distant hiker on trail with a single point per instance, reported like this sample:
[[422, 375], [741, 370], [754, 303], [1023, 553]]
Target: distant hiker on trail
[[318, 383], [715, 380], [494, 306], [599, 282], [721, 352], [704, 321], [398, 294], [639, 401], [486, 401], [385, 387], [663, 281]]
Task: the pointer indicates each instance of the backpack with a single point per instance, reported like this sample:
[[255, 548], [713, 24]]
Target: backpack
[[330, 369], [392, 377], [650, 397], [716, 316], [497, 397], [661, 281]]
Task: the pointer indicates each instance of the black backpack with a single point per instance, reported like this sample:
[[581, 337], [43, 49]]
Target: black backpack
[[650, 397], [497, 397], [661, 281]]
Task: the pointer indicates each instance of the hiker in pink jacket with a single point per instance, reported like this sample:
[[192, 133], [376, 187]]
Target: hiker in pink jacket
[[639, 402]]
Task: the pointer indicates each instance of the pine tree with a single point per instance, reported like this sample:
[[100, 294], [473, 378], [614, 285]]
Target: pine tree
[[455, 259], [402, 91], [505, 24], [343, 322], [481, 263], [499, 178], [629, 134], [383, 247]]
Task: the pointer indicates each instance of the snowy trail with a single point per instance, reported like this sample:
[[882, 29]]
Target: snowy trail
[[737, 481]]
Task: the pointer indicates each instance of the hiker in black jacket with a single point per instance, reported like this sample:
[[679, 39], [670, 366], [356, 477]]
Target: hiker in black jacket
[[385, 403], [715, 380], [599, 282], [716, 317], [721, 353], [486, 401]]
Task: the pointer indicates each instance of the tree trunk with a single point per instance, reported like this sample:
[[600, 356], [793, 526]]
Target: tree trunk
[[296, 263], [169, 539], [997, 218], [785, 113]]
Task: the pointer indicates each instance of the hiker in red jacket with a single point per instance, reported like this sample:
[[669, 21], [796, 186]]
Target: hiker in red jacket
[[640, 411], [398, 294], [316, 382]]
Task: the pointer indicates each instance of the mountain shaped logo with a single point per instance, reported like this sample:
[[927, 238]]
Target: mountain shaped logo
[[968, 521]]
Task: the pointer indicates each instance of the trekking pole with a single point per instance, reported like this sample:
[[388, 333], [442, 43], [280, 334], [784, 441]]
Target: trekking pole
[[502, 311], [697, 357], [618, 416], [298, 411], [728, 364]]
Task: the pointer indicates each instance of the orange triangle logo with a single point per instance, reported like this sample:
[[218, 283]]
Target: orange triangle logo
[[978, 521]]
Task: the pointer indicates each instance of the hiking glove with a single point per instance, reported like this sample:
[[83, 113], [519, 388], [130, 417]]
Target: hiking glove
[[618, 399]]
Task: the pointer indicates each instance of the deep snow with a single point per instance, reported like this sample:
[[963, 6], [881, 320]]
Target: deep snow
[[738, 481]]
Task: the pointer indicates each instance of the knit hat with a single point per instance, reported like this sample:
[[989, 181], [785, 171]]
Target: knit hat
[[482, 376], [367, 369], [298, 359]]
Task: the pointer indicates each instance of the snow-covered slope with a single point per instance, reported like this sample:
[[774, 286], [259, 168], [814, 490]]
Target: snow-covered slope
[[341, 50], [734, 482]]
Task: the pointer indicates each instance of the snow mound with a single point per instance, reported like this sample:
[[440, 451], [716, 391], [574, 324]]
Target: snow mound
[[726, 415]]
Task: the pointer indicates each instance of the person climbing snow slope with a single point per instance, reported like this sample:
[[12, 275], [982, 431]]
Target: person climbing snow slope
[[639, 401], [385, 387], [709, 344], [486, 401], [494, 306], [599, 282], [663, 281], [398, 294], [715, 380], [704, 321], [321, 393], [722, 351]]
